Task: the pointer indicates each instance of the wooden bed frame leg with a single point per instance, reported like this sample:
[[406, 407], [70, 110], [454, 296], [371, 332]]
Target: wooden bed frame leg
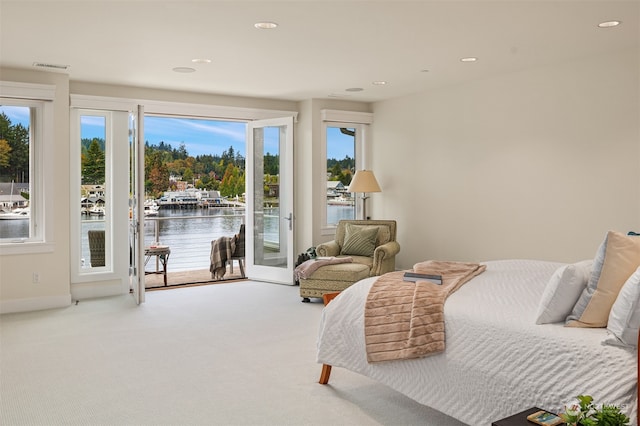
[[324, 376], [326, 368]]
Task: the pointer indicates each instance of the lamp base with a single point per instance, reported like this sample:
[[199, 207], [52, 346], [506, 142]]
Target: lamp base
[[364, 207]]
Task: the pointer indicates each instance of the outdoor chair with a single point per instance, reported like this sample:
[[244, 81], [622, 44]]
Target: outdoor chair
[[225, 250], [96, 247], [238, 253]]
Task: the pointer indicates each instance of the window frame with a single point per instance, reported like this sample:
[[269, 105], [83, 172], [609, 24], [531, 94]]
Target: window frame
[[39, 98], [116, 184], [360, 122]]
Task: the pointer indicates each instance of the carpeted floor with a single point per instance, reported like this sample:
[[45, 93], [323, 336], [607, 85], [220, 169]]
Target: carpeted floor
[[239, 353]]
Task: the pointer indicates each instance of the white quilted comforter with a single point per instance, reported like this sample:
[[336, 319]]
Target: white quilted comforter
[[497, 361]]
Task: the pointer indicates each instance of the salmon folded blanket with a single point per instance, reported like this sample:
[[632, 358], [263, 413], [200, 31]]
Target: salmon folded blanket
[[404, 319]]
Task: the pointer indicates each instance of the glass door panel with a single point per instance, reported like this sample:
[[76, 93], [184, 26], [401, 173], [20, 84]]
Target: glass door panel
[[270, 200]]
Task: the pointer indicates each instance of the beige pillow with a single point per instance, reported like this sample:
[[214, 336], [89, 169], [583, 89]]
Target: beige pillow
[[359, 240], [617, 259]]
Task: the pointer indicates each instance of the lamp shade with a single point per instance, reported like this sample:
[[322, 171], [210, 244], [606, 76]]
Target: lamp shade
[[364, 181]]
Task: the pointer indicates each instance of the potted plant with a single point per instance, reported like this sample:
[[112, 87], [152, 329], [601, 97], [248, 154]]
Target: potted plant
[[585, 413]]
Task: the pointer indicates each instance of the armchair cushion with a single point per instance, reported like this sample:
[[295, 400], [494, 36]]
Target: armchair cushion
[[359, 240]]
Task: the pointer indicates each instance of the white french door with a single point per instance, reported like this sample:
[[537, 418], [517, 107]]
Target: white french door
[[136, 204], [269, 183]]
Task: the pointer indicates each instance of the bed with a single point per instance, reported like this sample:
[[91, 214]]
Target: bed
[[497, 360]]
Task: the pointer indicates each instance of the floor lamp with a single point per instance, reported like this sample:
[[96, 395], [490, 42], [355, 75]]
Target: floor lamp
[[364, 181]]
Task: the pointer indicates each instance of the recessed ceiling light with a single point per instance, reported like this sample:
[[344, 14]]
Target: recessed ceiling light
[[469, 59], [609, 24], [201, 61], [354, 89], [379, 83], [266, 25], [184, 69]]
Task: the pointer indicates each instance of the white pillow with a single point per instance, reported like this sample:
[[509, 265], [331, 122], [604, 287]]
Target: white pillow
[[624, 318], [563, 291]]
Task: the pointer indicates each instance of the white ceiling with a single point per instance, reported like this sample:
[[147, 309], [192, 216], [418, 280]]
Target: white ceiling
[[320, 48]]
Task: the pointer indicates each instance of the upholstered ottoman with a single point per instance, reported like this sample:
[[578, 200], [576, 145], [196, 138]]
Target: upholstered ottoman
[[331, 279]]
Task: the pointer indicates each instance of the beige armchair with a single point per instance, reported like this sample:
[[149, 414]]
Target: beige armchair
[[370, 243]]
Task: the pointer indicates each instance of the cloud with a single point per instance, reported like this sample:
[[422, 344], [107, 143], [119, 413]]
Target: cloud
[[16, 114], [200, 136]]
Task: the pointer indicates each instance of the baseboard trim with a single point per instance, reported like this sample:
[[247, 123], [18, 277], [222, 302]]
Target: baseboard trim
[[81, 291], [34, 304]]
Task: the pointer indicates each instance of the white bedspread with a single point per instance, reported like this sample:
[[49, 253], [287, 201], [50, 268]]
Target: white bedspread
[[497, 361]]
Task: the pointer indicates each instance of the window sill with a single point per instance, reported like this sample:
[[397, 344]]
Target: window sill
[[33, 247]]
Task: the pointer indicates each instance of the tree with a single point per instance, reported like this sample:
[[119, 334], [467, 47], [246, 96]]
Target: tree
[[187, 176], [239, 188], [232, 182], [17, 137], [336, 171], [93, 164], [271, 164], [157, 174], [5, 153], [229, 156]]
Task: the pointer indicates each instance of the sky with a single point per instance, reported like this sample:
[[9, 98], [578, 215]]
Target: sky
[[199, 136]]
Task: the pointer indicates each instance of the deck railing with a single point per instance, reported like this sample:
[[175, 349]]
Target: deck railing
[[190, 249], [189, 237]]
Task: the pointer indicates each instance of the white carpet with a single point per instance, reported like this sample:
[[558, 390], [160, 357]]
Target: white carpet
[[226, 354]]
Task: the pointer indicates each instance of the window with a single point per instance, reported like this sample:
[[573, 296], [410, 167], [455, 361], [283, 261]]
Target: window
[[99, 194], [95, 206], [26, 129], [340, 168], [344, 135]]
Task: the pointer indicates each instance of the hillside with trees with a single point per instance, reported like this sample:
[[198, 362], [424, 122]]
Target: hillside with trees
[[14, 151], [223, 172]]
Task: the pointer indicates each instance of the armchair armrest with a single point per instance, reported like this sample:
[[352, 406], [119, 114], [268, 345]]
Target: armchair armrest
[[330, 248], [384, 258]]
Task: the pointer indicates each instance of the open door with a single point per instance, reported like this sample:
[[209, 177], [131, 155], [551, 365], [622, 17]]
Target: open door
[[269, 251], [136, 204]]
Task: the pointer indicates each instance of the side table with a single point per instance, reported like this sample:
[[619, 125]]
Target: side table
[[162, 256]]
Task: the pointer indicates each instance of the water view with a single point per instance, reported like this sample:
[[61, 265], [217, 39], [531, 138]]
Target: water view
[[188, 232]]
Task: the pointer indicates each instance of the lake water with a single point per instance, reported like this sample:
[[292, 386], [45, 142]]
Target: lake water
[[188, 232]]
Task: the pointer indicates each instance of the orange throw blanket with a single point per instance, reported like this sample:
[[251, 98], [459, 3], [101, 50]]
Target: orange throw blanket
[[405, 320]]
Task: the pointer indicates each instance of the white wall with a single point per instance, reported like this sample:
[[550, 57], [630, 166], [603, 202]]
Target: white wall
[[534, 164], [17, 291]]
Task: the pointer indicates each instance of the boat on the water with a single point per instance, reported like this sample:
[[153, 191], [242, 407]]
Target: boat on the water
[[15, 214], [151, 209], [96, 210]]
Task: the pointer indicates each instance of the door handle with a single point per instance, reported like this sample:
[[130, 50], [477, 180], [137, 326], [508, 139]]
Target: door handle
[[290, 219]]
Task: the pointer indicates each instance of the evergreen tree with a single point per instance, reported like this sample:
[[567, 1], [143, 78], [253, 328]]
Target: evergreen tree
[[93, 164], [17, 139]]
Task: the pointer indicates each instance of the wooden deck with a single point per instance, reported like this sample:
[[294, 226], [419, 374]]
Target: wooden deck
[[184, 278]]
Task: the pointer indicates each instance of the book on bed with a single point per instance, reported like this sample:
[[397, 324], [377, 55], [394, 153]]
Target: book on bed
[[414, 276]]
